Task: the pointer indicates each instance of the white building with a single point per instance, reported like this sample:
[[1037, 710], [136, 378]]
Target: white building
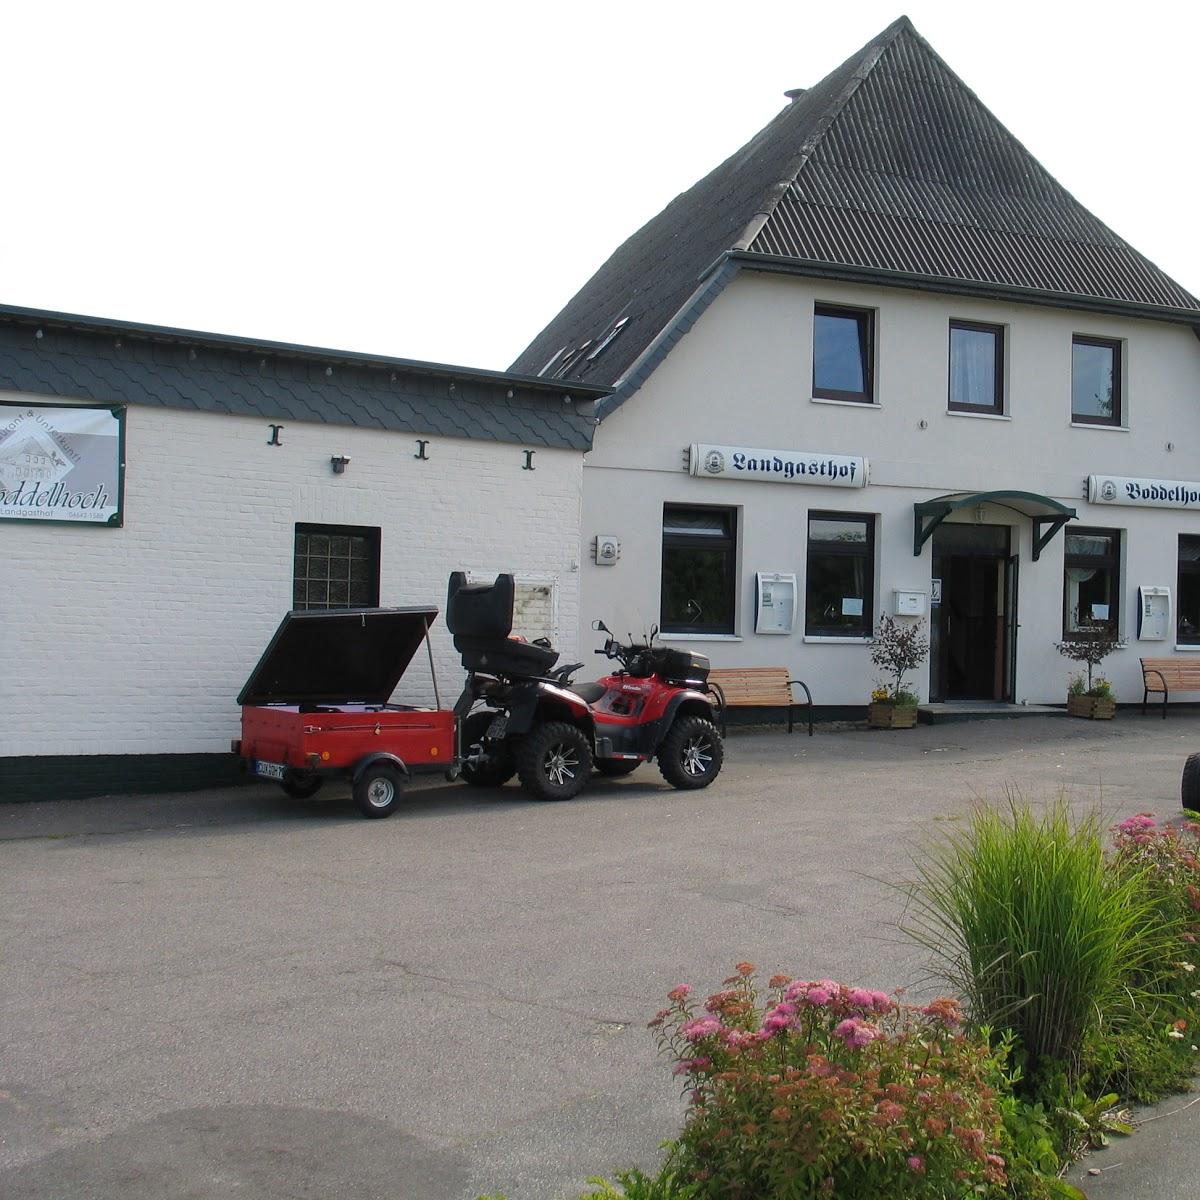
[[237, 480], [880, 354]]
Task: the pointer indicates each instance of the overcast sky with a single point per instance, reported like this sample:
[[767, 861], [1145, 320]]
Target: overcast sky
[[436, 184]]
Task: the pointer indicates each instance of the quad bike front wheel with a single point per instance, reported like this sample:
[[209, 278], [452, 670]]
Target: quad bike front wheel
[[500, 766], [691, 754], [554, 761]]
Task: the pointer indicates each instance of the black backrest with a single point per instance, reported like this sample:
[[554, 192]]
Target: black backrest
[[480, 610]]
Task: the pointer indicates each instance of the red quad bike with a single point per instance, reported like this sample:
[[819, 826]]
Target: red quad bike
[[534, 723], [316, 706]]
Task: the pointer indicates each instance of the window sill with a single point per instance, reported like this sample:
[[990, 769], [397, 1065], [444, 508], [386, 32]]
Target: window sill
[[846, 403], [1105, 428], [1187, 649], [698, 637], [978, 416], [855, 640]]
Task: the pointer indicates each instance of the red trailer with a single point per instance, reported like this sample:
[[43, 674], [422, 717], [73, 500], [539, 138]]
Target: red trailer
[[316, 706]]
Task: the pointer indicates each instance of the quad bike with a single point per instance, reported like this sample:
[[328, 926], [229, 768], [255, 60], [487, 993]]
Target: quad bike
[[520, 716]]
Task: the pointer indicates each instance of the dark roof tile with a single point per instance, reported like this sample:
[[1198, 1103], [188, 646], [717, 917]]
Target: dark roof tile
[[889, 168]]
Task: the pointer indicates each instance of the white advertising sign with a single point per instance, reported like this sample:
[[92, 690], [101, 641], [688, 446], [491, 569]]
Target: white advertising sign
[[61, 464], [1157, 493], [778, 466]]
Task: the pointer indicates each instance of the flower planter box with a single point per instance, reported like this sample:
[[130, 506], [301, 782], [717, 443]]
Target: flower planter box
[[1095, 708], [891, 716]]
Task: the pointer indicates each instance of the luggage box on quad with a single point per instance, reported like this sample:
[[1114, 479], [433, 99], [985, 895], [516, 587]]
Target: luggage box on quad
[[316, 705]]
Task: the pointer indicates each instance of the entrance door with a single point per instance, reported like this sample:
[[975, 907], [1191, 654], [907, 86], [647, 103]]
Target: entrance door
[[971, 635]]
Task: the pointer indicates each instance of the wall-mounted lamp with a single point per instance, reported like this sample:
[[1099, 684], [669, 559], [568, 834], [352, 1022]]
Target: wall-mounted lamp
[[338, 463], [980, 514]]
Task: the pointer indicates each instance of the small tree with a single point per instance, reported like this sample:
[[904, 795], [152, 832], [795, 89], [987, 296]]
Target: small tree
[[1091, 652], [897, 649]]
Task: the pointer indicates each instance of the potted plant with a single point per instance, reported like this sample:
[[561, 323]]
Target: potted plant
[[896, 649], [1088, 697]]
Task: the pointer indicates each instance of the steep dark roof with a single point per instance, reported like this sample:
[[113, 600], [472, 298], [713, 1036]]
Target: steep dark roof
[[91, 358], [888, 170]]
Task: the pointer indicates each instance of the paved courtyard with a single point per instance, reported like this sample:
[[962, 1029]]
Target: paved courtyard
[[236, 993]]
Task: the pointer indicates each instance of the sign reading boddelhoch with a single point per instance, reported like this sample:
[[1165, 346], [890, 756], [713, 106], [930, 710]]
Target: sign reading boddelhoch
[[61, 464], [778, 466]]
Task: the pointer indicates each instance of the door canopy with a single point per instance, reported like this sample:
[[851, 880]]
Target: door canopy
[[1047, 516]]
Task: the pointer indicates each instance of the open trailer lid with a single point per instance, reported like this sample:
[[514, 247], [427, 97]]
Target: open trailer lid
[[340, 656]]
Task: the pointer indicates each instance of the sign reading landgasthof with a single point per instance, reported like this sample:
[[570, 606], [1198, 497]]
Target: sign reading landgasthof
[[778, 466], [1157, 493], [61, 464]]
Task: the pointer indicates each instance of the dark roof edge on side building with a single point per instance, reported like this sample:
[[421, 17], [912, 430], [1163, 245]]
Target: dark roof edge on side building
[[122, 362], [166, 333]]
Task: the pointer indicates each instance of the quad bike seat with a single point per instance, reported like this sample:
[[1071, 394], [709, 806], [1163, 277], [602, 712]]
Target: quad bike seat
[[479, 615], [589, 693]]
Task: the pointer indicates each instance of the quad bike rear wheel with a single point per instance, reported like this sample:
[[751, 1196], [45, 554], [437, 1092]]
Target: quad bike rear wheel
[[500, 766], [554, 761], [691, 754]]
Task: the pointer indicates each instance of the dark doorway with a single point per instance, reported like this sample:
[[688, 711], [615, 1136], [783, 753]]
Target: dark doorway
[[973, 627]]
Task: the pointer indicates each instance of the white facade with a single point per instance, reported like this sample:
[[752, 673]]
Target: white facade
[[136, 640], [742, 376]]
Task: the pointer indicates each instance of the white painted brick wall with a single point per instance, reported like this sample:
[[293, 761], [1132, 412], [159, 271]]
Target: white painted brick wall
[[137, 640]]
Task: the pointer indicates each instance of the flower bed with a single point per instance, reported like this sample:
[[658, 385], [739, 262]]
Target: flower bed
[[827, 1090]]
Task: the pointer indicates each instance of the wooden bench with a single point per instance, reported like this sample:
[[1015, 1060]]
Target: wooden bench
[[1162, 674], [757, 687]]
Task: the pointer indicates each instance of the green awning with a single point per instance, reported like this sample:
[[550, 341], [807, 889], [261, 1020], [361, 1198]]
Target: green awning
[[1047, 516]]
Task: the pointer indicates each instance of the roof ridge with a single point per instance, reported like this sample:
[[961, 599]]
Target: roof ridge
[[871, 53]]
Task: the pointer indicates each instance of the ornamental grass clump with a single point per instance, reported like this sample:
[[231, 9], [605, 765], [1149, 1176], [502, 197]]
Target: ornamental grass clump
[[824, 1090], [1026, 919]]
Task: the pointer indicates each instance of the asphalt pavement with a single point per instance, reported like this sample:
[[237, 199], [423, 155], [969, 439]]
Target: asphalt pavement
[[233, 992]]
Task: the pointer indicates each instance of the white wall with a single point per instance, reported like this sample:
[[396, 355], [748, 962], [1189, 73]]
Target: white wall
[[137, 640], [742, 376]]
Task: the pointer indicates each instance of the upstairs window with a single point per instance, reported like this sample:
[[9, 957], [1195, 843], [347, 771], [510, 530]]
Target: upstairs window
[[1095, 381], [336, 566], [698, 569], [840, 584], [976, 368], [1092, 583], [843, 342]]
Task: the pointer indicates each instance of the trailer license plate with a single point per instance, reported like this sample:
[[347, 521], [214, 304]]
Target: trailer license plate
[[497, 728], [269, 770]]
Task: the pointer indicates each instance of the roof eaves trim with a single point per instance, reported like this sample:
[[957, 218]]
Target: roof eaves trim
[[689, 313], [963, 287]]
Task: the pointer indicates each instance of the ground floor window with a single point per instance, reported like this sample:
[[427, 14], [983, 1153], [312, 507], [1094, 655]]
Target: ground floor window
[[839, 598], [699, 569], [336, 566], [1188, 591], [1092, 583]]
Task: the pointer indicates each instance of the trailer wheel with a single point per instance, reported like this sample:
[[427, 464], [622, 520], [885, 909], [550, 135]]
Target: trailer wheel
[[616, 767], [554, 761], [377, 791], [1190, 791], [691, 754], [300, 785], [499, 768]]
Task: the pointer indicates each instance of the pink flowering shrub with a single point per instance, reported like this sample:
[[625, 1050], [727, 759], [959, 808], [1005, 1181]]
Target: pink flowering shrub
[[1147, 1046], [819, 1089]]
